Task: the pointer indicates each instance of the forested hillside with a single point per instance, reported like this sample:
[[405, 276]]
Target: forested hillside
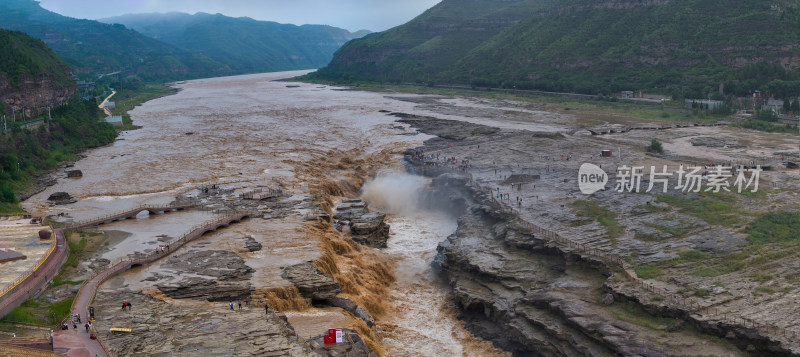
[[243, 44], [22, 55], [681, 47], [25, 154], [32, 78]]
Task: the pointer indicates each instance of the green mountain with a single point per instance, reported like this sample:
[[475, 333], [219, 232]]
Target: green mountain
[[32, 77], [56, 123], [682, 47], [23, 57], [93, 47], [243, 44]]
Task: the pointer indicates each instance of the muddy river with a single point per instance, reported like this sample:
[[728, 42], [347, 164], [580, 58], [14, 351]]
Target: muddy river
[[250, 130]]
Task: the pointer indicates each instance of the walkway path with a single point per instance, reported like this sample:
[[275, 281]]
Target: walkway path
[[131, 213], [42, 274], [76, 342], [33, 283]]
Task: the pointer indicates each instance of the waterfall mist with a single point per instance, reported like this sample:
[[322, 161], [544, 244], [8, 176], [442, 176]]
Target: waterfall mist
[[395, 192]]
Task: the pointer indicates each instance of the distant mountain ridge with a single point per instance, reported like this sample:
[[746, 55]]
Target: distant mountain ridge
[[92, 47], [584, 46], [185, 46], [243, 44]]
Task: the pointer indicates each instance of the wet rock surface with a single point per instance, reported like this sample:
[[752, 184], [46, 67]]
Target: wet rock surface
[[533, 297], [366, 228], [349, 209], [61, 198], [524, 296], [251, 244], [213, 275], [447, 129], [713, 142], [159, 328], [351, 307], [370, 230], [311, 282], [352, 345], [74, 173]]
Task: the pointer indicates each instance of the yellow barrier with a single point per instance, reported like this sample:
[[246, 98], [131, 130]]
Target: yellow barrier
[[32, 270]]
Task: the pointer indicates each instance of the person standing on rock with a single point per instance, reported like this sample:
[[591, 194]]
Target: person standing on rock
[[232, 305], [240, 305]]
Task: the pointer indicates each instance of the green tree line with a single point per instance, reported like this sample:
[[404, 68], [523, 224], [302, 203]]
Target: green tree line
[[25, 153]]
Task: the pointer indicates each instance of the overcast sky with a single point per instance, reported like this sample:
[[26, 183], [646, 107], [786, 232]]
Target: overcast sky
[[374, 15]]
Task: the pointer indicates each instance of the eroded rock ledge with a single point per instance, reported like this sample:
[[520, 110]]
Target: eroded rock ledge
[[522, 294], [531, 297], [366, 228], [161, 329], [311, 282], [322, 289], [212, 275]]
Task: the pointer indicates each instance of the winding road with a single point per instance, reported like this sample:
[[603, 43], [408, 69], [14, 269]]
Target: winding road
[[103, 104]]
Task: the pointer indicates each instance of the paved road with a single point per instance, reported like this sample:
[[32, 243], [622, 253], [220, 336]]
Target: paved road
[[76, 343], [103, 104]]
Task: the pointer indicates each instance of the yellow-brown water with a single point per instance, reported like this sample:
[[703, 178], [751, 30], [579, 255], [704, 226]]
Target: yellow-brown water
[[312, 140]]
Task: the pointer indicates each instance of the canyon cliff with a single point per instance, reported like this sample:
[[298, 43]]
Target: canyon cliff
[[32, 76]]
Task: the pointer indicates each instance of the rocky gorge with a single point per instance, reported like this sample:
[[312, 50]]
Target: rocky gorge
[[365, 227], [529, 297], [298, 254], [532, 296]]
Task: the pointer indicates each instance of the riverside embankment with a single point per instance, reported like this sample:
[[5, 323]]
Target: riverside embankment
[[213, 143], [541, 269], [219, 140]]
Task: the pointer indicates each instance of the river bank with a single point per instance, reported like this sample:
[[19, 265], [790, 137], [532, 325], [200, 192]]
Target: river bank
[[128, 100], [240, 143], [221, 140], [529, 295]]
